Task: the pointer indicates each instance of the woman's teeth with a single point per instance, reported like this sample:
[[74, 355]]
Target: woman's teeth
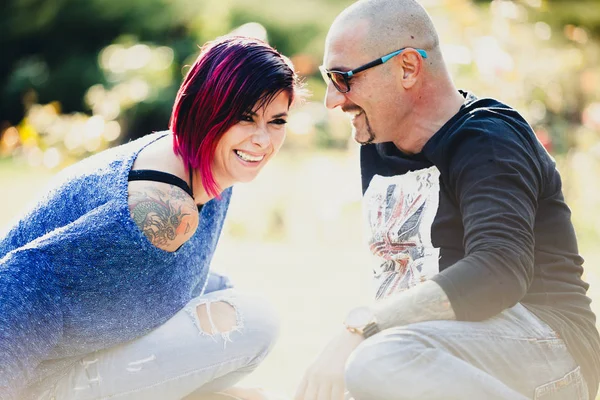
[[248, 157]]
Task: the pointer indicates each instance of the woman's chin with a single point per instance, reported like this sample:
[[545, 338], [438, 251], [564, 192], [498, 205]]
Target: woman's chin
[[248, 178], [242, 178]]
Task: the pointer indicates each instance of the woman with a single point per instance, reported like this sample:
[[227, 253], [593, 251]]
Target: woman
[[103, 282]]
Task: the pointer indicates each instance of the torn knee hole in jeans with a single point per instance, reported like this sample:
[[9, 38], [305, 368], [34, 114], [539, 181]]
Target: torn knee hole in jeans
[[216, 318]]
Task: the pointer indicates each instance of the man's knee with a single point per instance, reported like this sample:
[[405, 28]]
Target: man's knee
[[383, 366], [367, 370]]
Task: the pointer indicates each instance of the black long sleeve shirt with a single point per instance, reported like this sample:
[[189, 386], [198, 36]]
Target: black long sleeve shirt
[[480, 211]]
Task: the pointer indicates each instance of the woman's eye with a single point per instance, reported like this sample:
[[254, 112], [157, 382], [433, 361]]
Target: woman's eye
[[247, 118], [280, 121]]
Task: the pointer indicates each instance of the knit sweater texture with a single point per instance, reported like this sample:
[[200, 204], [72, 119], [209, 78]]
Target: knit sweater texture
[[78, 275]]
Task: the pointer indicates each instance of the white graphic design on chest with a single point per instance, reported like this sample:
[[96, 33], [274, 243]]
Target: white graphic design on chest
[[399, 213]]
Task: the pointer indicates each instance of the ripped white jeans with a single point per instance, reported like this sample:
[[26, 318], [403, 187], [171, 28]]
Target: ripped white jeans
[[178, 359]]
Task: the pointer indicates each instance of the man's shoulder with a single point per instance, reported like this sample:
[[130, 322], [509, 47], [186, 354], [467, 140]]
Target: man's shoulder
[[489, 116], [484, 121]]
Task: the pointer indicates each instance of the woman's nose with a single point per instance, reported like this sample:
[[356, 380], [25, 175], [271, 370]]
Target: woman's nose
[[261, 138]]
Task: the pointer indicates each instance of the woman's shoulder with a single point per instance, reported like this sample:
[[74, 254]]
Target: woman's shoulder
[[165, 213]]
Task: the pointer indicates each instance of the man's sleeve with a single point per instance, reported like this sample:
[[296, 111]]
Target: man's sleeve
[[495, 179]]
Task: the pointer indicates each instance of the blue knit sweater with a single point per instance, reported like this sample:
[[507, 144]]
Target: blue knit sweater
[[77, 275]]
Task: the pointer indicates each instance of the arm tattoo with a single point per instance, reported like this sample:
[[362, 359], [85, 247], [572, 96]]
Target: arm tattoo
[[161, 215], [424, 302]]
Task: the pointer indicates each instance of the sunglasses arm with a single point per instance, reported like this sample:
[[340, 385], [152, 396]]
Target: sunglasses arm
[[366, 66]]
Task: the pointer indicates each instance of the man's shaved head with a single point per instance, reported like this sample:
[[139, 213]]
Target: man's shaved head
[[390, 25], [404, 100]]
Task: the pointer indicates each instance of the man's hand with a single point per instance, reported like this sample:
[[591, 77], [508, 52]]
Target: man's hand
[[324, 379]]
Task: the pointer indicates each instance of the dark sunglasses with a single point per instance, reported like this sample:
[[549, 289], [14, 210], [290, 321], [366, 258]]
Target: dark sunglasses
[[341, 80]]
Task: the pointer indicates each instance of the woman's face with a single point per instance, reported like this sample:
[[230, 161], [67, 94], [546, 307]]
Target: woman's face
[[248, 145]]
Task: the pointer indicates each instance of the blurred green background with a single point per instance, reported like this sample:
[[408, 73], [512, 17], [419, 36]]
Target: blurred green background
[[78, 76]]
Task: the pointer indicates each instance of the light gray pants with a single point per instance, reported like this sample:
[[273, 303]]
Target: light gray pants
[[513, 356], [175, 360]]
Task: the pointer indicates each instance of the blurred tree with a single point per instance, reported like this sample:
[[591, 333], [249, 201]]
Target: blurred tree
[[559, 13], [102, 57], [51, 47]]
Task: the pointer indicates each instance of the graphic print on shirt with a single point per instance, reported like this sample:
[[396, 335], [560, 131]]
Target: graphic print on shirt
[[399, 212]]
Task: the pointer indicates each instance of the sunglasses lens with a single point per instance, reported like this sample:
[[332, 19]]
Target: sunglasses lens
[[339, 82], [336, 78]]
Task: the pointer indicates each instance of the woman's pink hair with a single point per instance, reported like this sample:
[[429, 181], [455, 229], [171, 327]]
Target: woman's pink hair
[[231, 77]]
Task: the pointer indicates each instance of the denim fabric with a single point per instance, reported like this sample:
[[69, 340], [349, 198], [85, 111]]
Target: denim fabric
[[216, 281], [175, 360], [513, 356]]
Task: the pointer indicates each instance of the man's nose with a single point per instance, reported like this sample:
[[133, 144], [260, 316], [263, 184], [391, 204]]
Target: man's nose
[[333, 98]]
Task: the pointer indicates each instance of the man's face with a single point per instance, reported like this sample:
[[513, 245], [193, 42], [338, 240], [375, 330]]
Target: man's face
[[373, 97]]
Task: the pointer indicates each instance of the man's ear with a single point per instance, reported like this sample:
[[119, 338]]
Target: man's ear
[[411, 63]]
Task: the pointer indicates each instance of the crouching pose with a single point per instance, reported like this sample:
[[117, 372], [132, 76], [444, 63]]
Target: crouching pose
[[104, 283]]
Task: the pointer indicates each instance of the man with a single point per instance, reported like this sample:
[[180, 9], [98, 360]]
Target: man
[[480, 292]]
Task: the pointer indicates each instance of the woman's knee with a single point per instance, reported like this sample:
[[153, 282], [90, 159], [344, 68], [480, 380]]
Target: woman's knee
[[217, 317], [252, 319], [260, 321]]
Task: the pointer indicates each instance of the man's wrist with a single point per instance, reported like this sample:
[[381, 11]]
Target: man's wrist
[[362, 321]]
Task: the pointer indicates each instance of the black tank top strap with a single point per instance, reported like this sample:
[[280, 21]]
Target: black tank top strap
[[159, 176]]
